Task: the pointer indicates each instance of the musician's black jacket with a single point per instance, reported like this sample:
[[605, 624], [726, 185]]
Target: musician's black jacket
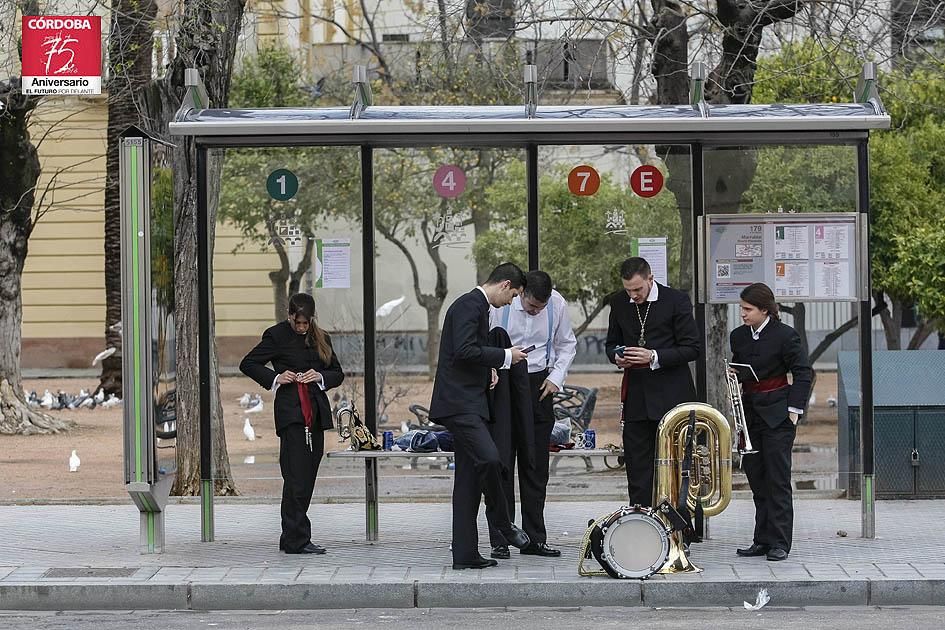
[[510, 405], [463, 372], [285, 349], [671, 331], [777, 352]]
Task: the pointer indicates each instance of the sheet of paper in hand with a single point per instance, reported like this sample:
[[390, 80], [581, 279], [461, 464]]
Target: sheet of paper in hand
[[745, 372]]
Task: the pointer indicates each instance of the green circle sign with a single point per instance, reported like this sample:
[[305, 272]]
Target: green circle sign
[[282, 184]]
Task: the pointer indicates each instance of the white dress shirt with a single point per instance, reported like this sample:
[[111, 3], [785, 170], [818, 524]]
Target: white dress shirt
[[526, 330]]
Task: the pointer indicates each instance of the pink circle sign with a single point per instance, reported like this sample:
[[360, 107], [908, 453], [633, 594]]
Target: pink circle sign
[[449, 181]]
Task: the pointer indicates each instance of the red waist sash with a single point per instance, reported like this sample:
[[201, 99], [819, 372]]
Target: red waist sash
[[766, 385], [306, 404]]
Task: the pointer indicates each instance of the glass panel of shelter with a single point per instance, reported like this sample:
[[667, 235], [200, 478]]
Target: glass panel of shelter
[[600, 205], [788, 180], [444, 217], [289, 220]]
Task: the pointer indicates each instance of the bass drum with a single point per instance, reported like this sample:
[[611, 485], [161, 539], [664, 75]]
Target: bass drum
[[633, 542]]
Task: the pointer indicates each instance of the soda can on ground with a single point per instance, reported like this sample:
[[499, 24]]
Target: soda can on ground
[[388, 440], [590, 439]]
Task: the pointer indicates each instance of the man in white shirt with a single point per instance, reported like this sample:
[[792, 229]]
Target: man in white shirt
[[537, 319]]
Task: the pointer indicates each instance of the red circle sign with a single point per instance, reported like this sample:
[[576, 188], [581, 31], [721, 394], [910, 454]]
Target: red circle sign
[[646, 181], [449, 181], [583, 180]]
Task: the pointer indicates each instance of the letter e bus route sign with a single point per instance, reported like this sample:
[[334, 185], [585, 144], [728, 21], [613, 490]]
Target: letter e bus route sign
[[62, 54]]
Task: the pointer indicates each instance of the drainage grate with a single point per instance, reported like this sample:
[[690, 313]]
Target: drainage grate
[[89, 573]]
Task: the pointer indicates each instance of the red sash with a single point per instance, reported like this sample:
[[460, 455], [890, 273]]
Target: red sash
[[766, 385], [306, 404]]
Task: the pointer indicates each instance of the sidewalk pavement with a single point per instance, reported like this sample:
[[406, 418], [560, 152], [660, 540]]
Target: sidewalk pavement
[[86, 557]]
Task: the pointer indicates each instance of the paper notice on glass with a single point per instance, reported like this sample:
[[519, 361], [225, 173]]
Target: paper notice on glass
[[792, 279], [791, 242], [332, 263], [653, 249], [832, 242], [832, 279]]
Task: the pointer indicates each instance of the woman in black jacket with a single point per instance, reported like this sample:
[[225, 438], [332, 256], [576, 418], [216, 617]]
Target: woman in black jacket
[[304, 367], [773, 406]]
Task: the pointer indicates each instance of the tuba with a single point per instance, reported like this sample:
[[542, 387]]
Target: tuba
[[636, 542], [741, 441]]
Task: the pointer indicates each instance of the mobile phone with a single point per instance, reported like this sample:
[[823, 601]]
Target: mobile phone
[[528, 349], [618, 351]]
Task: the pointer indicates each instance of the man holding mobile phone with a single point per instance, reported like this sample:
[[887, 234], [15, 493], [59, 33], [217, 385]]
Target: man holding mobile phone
[[538, 322], [652, 336]]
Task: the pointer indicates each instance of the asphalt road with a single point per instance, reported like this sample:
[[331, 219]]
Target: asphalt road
[[521, 619]]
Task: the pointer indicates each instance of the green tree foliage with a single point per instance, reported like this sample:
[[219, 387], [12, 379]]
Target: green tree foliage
[[921, 265], [576, 250]]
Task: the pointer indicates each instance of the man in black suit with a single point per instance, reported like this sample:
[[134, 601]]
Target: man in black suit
[[465, 372], [654, 326]]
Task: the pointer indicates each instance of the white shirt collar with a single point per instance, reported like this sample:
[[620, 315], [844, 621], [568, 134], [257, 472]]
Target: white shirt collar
[[757, 333], [486, 295], [517, 304], [654, 293]]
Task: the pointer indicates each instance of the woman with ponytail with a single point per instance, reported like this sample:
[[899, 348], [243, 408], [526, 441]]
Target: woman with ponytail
[[304, 367]]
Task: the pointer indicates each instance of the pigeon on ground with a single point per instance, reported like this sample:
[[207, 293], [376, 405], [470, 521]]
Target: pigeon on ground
[[113, 401], [99, 397], [245, 400], [257, 408], [74, 462], [47, 401], [248, 431]]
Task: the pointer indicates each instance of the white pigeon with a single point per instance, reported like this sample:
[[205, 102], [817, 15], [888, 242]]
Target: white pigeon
[[74, 462], [388, 307], [100, 397], [104, 354], [248, 431], [113, 401], [47, 400], [245, 400], [257, 408]]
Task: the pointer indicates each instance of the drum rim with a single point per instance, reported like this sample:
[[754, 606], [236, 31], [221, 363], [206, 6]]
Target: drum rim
[[646, 514]]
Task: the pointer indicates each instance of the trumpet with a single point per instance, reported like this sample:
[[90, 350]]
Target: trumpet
[[741, 442]]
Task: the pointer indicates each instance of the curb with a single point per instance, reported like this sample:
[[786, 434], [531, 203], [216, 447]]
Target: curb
[[125, 595]]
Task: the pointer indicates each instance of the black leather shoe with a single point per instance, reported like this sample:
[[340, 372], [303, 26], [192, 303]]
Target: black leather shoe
[[754, 550], [309, 548], [540, 549], [481, 563], [501, 552], [775, 554], [517, 537]]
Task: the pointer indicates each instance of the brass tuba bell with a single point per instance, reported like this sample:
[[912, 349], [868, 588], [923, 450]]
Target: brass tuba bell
[[710, 471]]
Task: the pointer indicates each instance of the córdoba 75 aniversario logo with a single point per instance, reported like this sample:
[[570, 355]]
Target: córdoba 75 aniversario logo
[[62, 54]]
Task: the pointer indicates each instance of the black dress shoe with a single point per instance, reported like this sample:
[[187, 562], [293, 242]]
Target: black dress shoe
[[540, 549], [501, 552], [754, 550], [481, 563], [775, 554], [517, 537], [308, 548]]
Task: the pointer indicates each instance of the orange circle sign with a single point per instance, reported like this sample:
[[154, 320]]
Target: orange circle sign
[[646, 181], [583, 180]]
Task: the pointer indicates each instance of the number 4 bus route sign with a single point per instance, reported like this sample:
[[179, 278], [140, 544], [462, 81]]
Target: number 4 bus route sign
[[282, 184], [449, 181]]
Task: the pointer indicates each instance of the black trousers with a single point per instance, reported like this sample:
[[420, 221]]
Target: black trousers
[[769, 476], [478, 472], [299, 467], [532, 482], [639, 448]]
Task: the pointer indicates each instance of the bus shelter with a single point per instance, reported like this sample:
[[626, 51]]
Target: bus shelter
[[708, 135]]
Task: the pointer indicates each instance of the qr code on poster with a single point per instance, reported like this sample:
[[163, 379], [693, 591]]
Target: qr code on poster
[[723, 271]]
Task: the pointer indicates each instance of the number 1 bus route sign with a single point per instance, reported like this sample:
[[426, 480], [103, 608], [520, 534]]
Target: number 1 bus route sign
[[282, 184]]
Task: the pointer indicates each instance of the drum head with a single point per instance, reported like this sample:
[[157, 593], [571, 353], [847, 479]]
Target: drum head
[[636, 545]]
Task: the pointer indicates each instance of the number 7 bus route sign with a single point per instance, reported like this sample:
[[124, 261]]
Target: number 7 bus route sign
[[583, 180]]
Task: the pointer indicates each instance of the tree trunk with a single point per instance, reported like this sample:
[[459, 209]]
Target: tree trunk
[[891, 318], [433, 336], [19, 171], [129, 51], [206, 41]]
